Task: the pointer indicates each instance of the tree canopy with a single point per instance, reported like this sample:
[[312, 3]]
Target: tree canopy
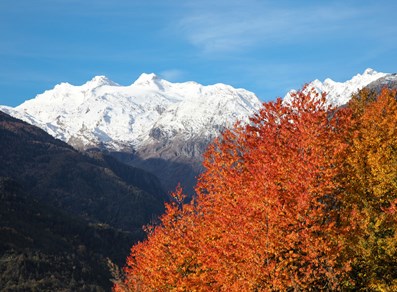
[[301, 198]]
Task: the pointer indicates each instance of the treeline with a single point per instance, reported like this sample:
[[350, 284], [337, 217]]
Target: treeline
[[302, 198]]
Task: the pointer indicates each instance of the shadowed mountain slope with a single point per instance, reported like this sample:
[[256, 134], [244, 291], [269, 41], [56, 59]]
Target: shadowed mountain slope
[[63, 212]]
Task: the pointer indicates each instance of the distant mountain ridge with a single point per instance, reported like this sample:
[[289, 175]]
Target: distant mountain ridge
[[339, 93], [154, 124], [389, 81], [102, 113]]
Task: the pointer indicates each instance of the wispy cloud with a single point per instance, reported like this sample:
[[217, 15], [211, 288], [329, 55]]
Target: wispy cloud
[[237, 26], [173, 75]]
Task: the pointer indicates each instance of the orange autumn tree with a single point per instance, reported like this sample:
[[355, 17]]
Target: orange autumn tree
[[371, 189], [268, 212]]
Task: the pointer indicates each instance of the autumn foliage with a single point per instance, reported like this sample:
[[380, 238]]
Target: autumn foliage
[[301, 198], [371, 189]]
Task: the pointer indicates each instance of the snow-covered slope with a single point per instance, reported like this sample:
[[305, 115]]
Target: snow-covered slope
[[154, 124], [103, 113], [339, 93]]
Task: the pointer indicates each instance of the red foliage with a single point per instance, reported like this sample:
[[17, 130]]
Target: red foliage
[[267, 214]]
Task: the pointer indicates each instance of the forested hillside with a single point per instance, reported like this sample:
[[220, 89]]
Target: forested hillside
[[64, 213]]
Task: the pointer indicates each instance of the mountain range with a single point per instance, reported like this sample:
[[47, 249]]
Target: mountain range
[[339, 93], [101, 113], [154, 124]]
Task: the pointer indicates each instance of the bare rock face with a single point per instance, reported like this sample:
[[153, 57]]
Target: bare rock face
[[176, 161], [388, 81]]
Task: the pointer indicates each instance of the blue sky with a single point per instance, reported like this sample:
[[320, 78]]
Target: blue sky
[[267, 47]]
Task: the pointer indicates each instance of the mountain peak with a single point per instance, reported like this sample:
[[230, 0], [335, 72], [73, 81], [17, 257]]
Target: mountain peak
[[339, 93], [147, 78], [123, 117], [370, 71], [101, 80]]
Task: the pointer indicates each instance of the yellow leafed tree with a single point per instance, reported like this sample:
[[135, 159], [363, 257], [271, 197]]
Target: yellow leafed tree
[[371, 180]]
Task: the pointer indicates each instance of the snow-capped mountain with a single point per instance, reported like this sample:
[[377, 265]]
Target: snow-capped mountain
[[104, 113], [339, 93], [165, 127], [160, 126]]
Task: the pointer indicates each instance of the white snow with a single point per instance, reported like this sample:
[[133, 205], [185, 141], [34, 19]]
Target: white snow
[[339, 93], [102, 112]]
